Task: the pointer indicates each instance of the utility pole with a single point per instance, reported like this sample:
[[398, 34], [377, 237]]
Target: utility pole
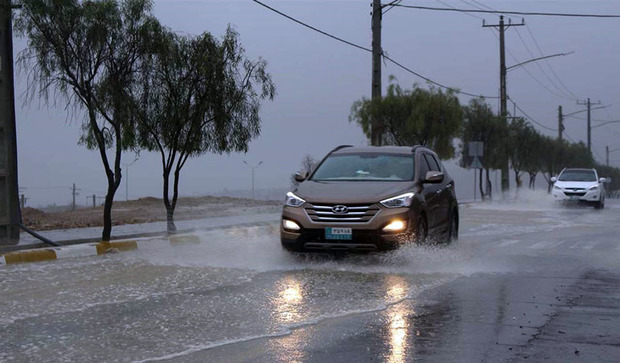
[[9, 190], [253, 167], [560, 123], [501, 27], [377, 13], [607, 155], [75, 193], [589, 105]]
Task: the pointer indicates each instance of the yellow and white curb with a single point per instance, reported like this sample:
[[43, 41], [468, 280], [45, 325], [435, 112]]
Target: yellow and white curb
[[55, 253]]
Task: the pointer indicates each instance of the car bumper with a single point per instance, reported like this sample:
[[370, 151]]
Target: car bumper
[[589, 196], [365, 236]]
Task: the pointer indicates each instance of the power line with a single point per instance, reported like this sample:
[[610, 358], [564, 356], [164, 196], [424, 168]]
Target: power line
[[541, 68], [549, 64], [509, 12], [530, 118], [456, 90]]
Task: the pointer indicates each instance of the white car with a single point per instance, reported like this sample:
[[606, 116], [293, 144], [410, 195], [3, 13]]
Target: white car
[[579, 185]]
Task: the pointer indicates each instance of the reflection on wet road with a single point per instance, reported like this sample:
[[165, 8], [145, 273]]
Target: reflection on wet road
[[238, 289]]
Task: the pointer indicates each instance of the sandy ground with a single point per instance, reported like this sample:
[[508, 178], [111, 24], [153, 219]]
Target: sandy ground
[[145, 210]]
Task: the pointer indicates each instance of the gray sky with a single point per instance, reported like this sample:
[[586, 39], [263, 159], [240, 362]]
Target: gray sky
[[318, 79]]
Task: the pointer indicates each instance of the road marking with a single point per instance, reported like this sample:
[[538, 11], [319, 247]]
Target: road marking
[[509, 242], [545, 244]]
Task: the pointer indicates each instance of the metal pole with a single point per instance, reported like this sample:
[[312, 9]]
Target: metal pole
[[127, 184], [560, 123], [589, 128], [9, 190], [375, 129], [252, 182], [607, 155]]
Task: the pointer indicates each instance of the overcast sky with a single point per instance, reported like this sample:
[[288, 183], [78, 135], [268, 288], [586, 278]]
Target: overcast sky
[[318, 79]]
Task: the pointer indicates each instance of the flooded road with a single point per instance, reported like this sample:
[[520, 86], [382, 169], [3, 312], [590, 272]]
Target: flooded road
[[236, 296]]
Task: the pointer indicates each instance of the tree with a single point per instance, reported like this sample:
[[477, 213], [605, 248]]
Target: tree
[[519, 148], [413, 117], [87, 53], [307, 165], [480, 124], [198, 95]]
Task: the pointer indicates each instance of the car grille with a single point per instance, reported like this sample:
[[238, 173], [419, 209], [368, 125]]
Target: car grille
[[575, 192], [353, 214]]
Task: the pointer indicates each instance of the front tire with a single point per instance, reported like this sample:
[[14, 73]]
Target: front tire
[[600, 204]]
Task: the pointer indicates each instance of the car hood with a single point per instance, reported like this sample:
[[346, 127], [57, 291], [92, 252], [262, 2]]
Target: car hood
[[575, 184], [350, 192]]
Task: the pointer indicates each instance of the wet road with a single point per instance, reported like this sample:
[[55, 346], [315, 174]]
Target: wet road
[[525, 281]]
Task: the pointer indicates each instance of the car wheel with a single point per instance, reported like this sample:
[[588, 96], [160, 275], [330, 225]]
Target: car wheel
[[421, 232], [600, 204], [453, 231]]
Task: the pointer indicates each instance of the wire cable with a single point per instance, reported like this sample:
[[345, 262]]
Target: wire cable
[[455, 90], [530, 118], [509, 12]]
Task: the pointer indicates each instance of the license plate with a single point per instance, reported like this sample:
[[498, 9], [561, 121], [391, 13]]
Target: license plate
[[574, 197], [338, 233]]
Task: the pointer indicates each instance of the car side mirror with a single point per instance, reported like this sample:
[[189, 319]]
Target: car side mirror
[[434, 177], [301, 176], [604, 180], [553, 179]]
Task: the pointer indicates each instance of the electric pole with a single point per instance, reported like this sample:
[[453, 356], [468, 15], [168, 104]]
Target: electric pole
[[589, 104], [75, 193], [9, 191], [375, 128], [560, 123], [607, 155], [501, 27]]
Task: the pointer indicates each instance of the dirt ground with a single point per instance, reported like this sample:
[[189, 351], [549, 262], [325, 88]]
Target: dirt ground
[[146, 210]]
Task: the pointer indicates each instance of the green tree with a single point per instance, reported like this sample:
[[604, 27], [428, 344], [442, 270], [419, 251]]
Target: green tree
[[519, 147], [480, 124], [198, 95], [87, 53], [413, 117]]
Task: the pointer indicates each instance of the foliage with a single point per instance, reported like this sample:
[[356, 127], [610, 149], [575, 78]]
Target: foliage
[[308, 163], [86, 53], [413, 117], [198, 95]]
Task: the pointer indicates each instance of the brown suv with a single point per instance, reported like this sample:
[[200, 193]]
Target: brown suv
[[370, 198]]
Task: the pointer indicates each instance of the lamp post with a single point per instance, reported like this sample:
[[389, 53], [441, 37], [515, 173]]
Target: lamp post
[[127, 177], [253, 167]]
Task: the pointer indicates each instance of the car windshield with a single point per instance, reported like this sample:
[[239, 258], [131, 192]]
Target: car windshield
[[578, 175], [366, 167]]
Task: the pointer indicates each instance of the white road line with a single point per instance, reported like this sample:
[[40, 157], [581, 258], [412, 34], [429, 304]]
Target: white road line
[[509, 242], [545, 244]]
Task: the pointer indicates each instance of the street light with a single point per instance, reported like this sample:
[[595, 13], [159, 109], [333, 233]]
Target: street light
[[253, 167], [127, 177]]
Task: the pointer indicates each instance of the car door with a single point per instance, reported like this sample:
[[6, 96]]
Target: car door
[[445, 194], [429, 190]]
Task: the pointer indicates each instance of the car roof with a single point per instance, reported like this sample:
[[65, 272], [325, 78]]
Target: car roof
[[348, 149], [578, 169]]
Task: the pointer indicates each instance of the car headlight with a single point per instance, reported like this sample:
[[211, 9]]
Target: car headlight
[[594, 187], [403, 200], [293, 201], [557, 187]]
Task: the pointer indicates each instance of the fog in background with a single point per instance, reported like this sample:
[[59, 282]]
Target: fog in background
[[318, 79]]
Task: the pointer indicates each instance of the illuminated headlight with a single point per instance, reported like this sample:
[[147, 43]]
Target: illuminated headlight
[[293, 201], [395, 226], [595, 187], [403, 200], [290, 225]]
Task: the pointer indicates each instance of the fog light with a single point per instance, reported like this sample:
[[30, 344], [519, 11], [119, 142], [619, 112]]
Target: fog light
[[395, 226], [287, 224]]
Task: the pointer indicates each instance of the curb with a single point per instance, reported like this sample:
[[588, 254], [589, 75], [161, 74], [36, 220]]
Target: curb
[[80, 248], [55, 253]]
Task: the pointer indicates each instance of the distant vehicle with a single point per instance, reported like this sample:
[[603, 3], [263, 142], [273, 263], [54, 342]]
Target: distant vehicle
[[579, 185], [370, 198]]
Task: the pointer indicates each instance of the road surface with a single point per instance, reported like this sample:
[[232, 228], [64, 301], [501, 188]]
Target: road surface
[[525, 281]]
